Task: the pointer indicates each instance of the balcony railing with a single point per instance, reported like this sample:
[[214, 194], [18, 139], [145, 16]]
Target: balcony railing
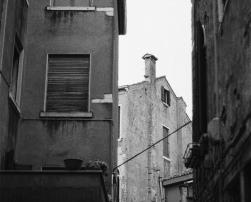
[[52, 186]]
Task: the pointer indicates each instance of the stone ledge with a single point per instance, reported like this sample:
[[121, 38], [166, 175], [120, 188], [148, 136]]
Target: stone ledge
[[66, 114]]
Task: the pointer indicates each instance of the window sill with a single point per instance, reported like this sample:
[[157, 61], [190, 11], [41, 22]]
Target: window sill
[[166, 158], [66, 114], [165, 104], [69, 8]]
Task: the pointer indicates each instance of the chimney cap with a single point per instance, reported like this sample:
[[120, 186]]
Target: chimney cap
[[152, 57]]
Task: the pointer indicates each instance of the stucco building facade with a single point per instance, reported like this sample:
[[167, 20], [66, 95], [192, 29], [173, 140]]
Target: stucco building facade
[[221, 95], [149, 111], [58, 82]]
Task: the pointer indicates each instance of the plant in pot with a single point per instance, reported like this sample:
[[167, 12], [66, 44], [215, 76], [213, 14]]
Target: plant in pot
[[73, 161], [97, 165]]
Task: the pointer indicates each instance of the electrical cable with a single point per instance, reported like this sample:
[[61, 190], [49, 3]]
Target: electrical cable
[[133, 157]]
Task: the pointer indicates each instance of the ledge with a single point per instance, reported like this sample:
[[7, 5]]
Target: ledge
[[66, 114], [166, 158], [165, 104], [69, 8]]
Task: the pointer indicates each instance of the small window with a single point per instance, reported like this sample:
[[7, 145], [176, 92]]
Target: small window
[[72, 3], [166, 151], [119, 121], [68, 83], [15, 85], [165, 96]]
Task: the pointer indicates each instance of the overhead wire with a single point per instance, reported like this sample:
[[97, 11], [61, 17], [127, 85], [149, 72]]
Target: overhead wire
[[149, 147]]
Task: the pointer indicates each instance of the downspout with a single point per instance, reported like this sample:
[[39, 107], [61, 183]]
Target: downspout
[[114, 124]]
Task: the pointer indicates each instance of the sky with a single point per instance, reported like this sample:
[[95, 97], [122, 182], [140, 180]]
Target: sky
[[162, 28]]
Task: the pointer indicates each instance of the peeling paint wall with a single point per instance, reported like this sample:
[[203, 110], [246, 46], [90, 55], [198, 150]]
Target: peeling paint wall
[[229, 107], [143, 116]]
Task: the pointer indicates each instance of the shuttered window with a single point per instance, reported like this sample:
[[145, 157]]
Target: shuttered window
[[72, 3], [166, 151], [165, 96], [68, 83]]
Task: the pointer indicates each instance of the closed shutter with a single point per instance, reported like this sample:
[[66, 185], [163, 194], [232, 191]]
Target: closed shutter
[[162, 94], [84, 3], [168, 97], [68, 83]]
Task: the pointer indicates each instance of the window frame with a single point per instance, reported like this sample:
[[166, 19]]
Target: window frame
[[67, 114], [165, 99], [16, 96], [169, 154], [119, 121]]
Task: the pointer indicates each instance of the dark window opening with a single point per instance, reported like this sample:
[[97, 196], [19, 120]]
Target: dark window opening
[[200, 84], [166, 151], [165, 96], [68, 83], [119, 121]]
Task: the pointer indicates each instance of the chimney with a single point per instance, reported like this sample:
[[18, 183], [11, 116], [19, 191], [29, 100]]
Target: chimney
[[150, 67]]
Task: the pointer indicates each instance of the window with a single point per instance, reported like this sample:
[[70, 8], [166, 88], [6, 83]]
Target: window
[[72, 3], [68, 83], [200, 87], [16, 72], [119, 121], [166, 142], [165, 96]]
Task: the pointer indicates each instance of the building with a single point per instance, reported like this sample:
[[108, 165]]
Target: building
[[179, 187], [149, 111], [221, 149], [13, 18], [58, 84]]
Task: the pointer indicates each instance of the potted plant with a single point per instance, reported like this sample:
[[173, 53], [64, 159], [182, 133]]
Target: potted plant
[[97, 165]]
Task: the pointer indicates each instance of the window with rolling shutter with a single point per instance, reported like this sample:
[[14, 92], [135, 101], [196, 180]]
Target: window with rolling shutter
[[165, 96], [72, 3], [68, 83]]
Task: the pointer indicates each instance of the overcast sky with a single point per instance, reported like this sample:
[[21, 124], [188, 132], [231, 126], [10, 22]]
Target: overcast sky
[[162, 28]]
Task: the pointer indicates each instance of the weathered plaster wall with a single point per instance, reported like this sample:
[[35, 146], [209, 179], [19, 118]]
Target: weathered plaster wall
[[229, 131], [142, 115], [66, 32], [44, 141], [134, 129]]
